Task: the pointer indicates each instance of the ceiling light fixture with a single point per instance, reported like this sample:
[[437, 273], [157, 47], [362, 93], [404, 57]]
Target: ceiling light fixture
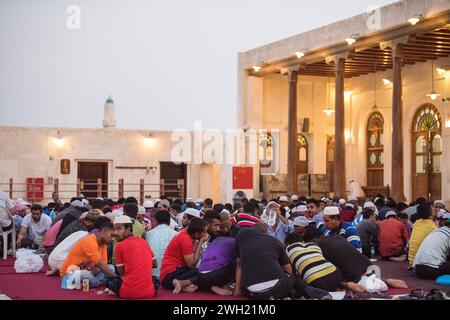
[[433, 94]]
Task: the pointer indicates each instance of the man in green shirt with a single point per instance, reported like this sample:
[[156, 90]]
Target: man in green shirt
[[131, 210]]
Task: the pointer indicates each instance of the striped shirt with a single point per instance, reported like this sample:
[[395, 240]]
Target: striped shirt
[[308, 260], [244, 220], [357, 220], [349, 232]]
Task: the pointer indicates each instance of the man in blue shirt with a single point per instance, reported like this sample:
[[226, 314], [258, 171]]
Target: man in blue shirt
[[281, 227], [333, 224]]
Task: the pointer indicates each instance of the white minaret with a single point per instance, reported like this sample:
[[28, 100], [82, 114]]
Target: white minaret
[[109, 121]]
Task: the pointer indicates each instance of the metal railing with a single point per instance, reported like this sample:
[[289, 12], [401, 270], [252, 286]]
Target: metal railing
[[94, 188]]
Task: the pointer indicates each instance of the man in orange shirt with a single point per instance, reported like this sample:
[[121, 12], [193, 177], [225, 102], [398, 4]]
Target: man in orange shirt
[[90, 254]]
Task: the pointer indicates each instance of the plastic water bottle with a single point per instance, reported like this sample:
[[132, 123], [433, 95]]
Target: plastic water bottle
[[272, 217]]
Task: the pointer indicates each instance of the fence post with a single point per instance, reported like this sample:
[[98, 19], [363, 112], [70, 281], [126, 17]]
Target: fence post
[[99, 187], [162, 190], [141, 191], [78, 187], [121, 188], [11, 188]]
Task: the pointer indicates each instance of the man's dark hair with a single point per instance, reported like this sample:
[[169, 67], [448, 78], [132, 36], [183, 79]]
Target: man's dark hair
[[196, 225], [130, 200], [264, 202], [312, 234], [121, 200], [98, 204], [424, 210], [401, 206], [208, 202], [177, 201], [249, 208], [302, 199], [236, 206], [379, 203], [74, 199], [402, 215], [162, 217], [106, 210], [176, 207], [110, 202], [35, 207], [131, 210], [391, 203], [102, 223], [218, 207], [292, 237], [315, 201], [367, 213], [190, 205], [210, 215], [228, 206], [51, 205], [420, 200], [128, 226]]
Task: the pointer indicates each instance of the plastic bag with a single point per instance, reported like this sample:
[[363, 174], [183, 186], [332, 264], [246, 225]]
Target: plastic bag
[[27, 261], [372, 284], [72, 280]]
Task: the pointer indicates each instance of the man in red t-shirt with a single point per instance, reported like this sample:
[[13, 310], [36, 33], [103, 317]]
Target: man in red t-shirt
[[178, 270], [134, 262]]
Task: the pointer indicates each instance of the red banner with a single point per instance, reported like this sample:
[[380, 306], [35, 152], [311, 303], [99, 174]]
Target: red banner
[[35, 189], [242, 178]]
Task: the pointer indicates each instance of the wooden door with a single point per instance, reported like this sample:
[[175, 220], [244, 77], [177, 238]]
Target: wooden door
[[375, 150], [171, 174], [89, 173], [427, 153]]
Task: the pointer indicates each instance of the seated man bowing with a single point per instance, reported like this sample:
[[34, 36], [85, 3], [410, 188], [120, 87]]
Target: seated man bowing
[[134, 262], [90, 255], [178, 270]]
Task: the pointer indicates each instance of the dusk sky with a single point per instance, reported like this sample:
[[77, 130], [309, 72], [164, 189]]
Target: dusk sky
[[165, 63]]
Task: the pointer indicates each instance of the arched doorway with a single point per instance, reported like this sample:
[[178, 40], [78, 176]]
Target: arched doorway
[[302, 149], [330, 161], [427, 153], [375, 150]]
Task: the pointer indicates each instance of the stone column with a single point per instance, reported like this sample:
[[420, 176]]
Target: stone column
[[339, 131], [397, 187], [292, 180]]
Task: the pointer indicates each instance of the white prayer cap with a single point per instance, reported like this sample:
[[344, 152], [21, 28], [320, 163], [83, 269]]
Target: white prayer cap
[[390, 213], [122, 219], [114, 214], [331, 211], [294, 198], [148, 204], [441, 202], [302, 208], [141, 210], [369, 204], [350, 205], [341, 202], [301, 222], [188, 199], [76, 203], [283, 198], [192, 212], [85, 201], [199, 200]]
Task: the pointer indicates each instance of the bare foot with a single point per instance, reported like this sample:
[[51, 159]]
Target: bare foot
[[51, 272], [221, 291], [327, 297], [396, 283], [176, 283], [190, 288], [355, 287]]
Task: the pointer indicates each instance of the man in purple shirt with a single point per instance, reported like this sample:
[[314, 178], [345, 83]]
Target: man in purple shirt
[[218, 266]]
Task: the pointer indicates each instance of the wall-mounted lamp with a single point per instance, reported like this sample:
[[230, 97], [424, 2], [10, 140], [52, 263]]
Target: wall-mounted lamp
[[58, 140], [415, 19], [150, 140], [351, 40]]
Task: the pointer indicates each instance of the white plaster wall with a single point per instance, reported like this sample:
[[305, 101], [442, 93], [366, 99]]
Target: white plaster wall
[[26, 152]]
